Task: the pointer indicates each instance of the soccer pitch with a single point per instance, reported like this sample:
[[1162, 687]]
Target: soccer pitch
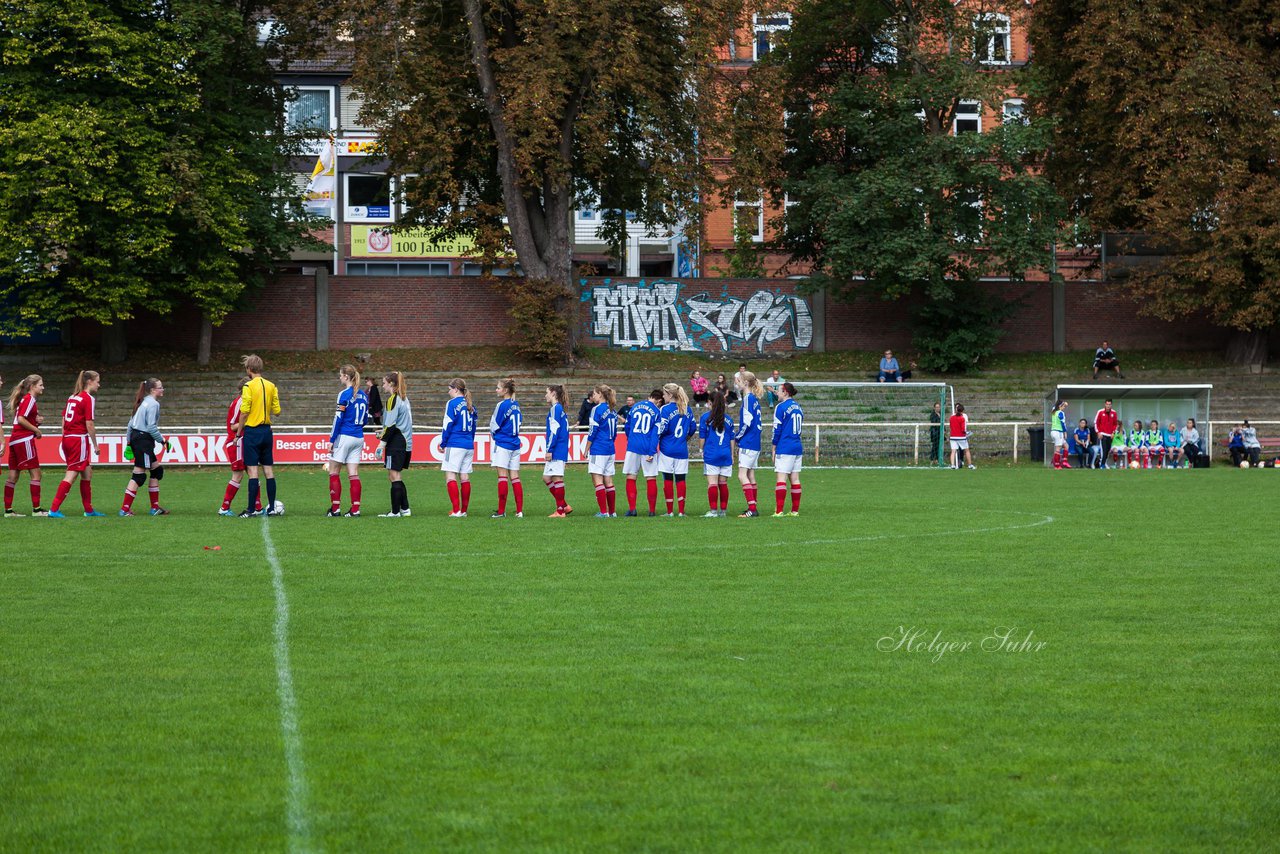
[[1007, 658]]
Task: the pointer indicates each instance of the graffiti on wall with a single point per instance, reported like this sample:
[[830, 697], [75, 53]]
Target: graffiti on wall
[[654, 317]]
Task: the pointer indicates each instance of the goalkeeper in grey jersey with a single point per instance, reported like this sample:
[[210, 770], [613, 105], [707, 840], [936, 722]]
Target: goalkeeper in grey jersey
[[144, 439]]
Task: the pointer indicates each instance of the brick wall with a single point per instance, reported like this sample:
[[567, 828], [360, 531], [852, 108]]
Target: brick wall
[[444, 311]]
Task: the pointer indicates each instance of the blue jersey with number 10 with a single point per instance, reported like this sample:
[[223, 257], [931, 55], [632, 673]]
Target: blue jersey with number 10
[[788, 420], [642, 429], [459, 425], [350, 415]]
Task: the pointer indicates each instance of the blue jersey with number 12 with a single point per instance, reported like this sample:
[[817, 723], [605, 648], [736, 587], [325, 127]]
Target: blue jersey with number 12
[[350, 415], [788, 419]]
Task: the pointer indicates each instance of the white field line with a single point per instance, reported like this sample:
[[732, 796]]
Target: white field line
[[1040, 520], [299, 824]]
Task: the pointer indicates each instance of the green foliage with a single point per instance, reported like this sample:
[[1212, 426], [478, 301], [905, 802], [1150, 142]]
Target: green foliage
[[957, 333], [745, 261], [538, 314], [887, 199], [1167, 124], [151, 175]]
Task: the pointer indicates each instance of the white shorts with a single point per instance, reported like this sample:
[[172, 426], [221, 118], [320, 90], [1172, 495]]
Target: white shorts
[[1059, 438], [787, 463], [670, 465], [553, 468], [748, 459], [458, 460], [346, 449], [959, 444], [717, 471], [506, 458], [601, 464], [633, 463]]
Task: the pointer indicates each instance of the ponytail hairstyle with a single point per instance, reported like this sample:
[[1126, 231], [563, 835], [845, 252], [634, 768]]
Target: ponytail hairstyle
[[461, 386], [789, 389], [83, 380], [144, 389], [752, 384], [558, 392], [508, 387], [395, 379], [21, 389], [610, 398], [678, 395], [1058, 405], [350, 374], [717, 410]]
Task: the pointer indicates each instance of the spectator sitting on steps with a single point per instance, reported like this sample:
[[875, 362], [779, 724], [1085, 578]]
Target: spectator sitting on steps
[[890, 372], [1105, 359]]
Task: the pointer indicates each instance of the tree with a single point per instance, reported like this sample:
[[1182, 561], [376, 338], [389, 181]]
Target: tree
[[1167, 125], [519, 110], [889, 195], [144, 164]]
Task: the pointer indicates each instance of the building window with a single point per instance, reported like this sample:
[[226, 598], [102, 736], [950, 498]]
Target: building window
[[470, 268], [991, 39], [587, 214], [968, 117], [311, 110], [748, 219], [766, 29], [1015, 112], [366, 198], [969, 216], [397, 268]]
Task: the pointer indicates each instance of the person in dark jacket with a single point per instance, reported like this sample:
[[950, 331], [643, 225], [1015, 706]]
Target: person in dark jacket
[[375, 400]]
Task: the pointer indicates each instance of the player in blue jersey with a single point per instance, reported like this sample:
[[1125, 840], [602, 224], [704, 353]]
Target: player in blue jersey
[[602, 430], [557, 448], [748, 436], [1139, 453], [715, 429], [504, 431], [1058, 432], [1155, 445], [788, 421], [346, 442], [458, 444], [674, 426], [642, 451]]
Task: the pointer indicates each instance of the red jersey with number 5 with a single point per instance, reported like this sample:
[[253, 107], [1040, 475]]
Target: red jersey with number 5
[[77, 415], [26, 409]]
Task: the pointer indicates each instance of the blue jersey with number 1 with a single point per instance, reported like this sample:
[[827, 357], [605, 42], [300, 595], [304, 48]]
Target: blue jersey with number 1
[[788, 420], [459, 425], [350, 415], [504, 426]]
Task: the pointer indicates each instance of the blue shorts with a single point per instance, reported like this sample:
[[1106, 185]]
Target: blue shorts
[[258, 446]]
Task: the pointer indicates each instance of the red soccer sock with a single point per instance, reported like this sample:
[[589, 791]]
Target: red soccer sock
[[153, 492], [454, 493], [35, 494], [355, 494], [229, 494], [557, 490], [795, 498], [466, 495], [669, 493], [724, 496], [86, 494], [749, 492], [8, 496], [601, 499], [780, 496], [713, 496], [502, 494], [517, 490], [681, 486], [335, 492], [611, 497], [63, 489], [631, 494], [129, 495], [651, 492]]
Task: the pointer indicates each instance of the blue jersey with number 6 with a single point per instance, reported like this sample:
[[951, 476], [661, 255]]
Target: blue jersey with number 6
[[459, 425], [350, 415], [788, 420], [673, 432]]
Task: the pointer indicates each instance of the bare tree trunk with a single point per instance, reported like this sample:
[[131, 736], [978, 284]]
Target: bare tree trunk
[[204, 348], [115, 346], [1248, 348]]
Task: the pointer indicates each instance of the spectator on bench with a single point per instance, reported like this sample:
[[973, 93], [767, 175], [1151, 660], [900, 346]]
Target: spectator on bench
[[1191, 442], [1252, 447], [1235, 445], [1105, 359]]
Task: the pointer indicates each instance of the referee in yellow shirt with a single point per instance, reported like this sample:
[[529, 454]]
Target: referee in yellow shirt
[[259, 400]]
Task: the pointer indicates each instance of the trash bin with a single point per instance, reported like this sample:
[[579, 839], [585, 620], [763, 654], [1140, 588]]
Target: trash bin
[[1037, 443]]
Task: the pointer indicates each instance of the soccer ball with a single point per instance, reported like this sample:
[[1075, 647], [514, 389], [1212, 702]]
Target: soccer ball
[[278, 508], [1244, 464], [1133, 464]]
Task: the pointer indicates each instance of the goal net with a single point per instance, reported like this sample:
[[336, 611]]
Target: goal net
[[872, 423]]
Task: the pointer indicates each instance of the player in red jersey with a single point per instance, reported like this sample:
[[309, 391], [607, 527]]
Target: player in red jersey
[[79, 444], [235, 456], [22, 443], [1, 421], [958, 427]]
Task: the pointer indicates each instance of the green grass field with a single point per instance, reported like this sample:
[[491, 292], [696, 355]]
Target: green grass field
[[652, 684]]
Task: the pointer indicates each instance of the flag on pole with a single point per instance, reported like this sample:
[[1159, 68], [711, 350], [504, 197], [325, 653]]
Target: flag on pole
[[321, 189]]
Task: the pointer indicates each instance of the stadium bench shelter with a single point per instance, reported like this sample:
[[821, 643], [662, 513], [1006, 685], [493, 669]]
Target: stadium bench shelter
[[1163, 402]]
